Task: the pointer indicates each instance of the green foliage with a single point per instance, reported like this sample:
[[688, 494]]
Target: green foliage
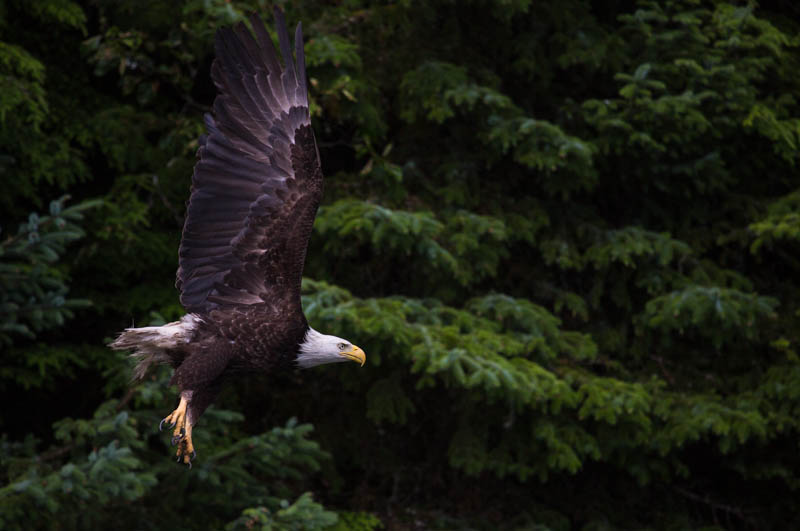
[[782, 222], [21, 81], [436, 89], [625, 245], [543, 146], [64, 12], [463, 245], [565, 235], [32, 289], [357, 522], [721, 314], [98, 463], [303, 514]]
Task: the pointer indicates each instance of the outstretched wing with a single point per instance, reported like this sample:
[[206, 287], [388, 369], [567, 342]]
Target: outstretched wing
[[257, 184]]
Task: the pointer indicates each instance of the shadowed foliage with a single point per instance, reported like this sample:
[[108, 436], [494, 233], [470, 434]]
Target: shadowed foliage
[[566, 235]]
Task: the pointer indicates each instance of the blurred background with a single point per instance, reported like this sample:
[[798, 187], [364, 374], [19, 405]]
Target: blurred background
[[565, 233]]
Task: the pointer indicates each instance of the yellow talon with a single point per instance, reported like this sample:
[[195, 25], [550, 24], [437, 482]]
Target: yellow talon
[[182, 435], [186, 449], [178, 417]]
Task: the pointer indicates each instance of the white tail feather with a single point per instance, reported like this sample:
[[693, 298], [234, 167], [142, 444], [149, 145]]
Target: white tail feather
[[150, 343]]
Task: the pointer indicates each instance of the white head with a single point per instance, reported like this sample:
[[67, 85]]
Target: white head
[[317, 349]]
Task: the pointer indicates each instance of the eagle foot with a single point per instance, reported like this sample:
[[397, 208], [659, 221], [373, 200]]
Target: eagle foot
[[182, 435], [186, 452]]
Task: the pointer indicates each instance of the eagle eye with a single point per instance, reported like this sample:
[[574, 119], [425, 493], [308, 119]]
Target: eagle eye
[[342, 346]]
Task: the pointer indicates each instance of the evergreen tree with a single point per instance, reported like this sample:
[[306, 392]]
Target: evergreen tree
[[564, 233]]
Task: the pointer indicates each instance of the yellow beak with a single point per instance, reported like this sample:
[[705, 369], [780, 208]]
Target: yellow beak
[[355, 354]]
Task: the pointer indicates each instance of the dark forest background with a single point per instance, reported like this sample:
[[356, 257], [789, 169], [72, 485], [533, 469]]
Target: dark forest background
[[565, 233]]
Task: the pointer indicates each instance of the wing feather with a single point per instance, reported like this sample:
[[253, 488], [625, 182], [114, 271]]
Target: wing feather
[[288, 76], [257, 184], [301, 94]]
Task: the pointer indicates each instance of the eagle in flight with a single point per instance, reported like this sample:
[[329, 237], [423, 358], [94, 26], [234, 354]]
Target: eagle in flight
[[255, 191]]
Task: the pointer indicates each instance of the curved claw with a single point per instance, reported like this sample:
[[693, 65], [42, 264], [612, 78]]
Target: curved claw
[[182, 435]]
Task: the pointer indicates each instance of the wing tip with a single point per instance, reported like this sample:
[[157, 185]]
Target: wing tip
[[256, 20], [279, 15]]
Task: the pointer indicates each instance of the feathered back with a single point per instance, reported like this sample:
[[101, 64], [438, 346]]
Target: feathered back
[[258, 183]]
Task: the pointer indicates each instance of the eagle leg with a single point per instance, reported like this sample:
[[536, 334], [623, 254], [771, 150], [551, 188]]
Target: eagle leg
[[199, 379], [182, 434]]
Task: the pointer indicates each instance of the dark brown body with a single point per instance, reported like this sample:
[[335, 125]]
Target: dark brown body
[[252, 338]]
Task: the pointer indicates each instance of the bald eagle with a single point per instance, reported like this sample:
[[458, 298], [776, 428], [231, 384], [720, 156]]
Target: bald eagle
[[255, 191]]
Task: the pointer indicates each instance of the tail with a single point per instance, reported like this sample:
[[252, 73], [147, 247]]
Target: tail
[[156, 344]]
